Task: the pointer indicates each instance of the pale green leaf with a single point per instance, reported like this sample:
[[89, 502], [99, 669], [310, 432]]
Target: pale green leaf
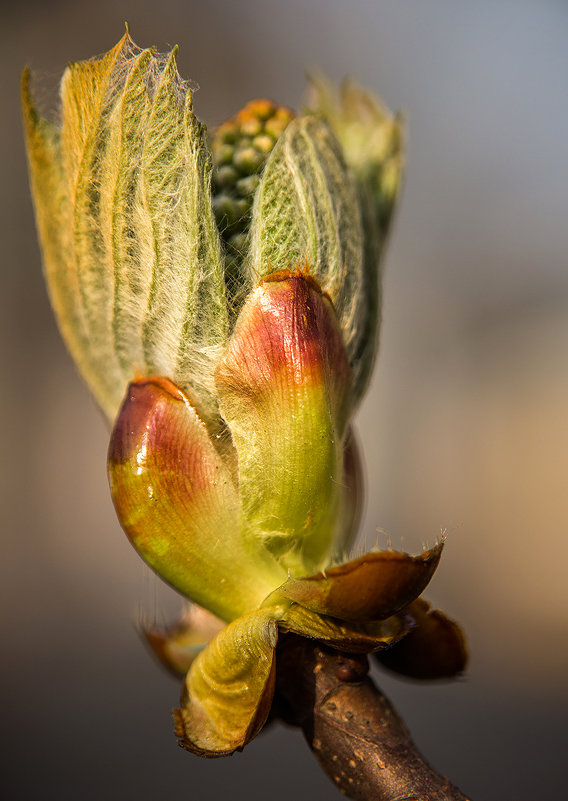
[[372, 140], [306, 213], [53, 213], [135, 272], [87, 99]]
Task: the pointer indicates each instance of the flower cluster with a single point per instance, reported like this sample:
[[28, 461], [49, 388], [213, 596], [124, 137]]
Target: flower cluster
[[231, 287]]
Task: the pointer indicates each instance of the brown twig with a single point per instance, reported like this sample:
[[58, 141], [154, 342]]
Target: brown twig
[[359, 739]]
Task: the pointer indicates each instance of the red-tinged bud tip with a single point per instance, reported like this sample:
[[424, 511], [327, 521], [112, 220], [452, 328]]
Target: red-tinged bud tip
[[144, 405]]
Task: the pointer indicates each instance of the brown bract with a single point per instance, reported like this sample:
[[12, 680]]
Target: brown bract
[[435, 648], [373, 587]]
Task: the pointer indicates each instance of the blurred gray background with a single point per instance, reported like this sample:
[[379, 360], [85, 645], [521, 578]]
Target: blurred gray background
[[465, 428]]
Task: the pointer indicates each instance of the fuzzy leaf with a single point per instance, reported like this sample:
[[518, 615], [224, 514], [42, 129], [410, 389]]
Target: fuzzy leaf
[[283, 388], [54, 223], [373, 587], [175, 498], [372, 140], [306, 212], [229, 687], [130, 246]]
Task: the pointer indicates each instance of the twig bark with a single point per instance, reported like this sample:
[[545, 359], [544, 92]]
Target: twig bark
[[361, 742]]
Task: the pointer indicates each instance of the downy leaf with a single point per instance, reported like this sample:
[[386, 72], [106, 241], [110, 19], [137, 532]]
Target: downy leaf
[[306, 212], [283, 387], [372, 140], [129, 242]]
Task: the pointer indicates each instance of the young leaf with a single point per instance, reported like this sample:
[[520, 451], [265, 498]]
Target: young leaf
[[372, 140], [130, 246], [306, 212]]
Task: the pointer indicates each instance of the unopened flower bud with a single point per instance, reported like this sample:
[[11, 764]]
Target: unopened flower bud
[[223, 307]]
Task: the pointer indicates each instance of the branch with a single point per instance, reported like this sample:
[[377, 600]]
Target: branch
[[361, 742]]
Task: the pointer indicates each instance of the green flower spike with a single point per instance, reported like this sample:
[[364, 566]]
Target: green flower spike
[[243, 346]]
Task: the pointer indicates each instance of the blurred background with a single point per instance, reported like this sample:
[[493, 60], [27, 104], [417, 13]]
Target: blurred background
[[465, 428]]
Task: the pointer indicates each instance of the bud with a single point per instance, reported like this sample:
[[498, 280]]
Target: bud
[[240, 148], [177, 501], [234, 295], [284, 394]]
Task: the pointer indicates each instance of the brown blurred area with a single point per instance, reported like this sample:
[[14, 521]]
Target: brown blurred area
[[465, 428]]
